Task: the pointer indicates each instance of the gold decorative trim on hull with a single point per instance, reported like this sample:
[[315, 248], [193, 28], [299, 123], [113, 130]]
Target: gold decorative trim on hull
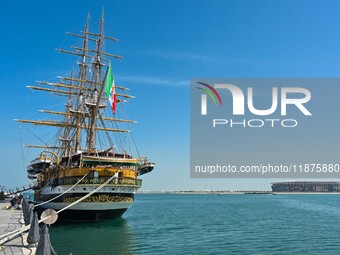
[[100, 198]]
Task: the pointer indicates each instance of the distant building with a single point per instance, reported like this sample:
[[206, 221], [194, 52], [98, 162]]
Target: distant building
[[306, 186]]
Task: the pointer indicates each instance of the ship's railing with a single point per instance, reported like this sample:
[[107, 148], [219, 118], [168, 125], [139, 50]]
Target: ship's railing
[[100, 180]]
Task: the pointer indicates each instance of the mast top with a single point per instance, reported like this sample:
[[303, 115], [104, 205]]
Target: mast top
[[83, 116], [102, 17]]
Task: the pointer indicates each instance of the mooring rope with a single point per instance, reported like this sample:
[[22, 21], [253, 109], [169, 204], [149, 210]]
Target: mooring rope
[[63, 192], [86, 196], [8, 236]]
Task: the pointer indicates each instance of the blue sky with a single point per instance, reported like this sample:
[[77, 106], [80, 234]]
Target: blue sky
[[165, 44]]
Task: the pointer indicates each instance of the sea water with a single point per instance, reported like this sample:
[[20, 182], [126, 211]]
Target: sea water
[[211, 224]]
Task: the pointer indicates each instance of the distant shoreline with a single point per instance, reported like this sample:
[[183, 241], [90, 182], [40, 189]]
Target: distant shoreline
[[237, 193]]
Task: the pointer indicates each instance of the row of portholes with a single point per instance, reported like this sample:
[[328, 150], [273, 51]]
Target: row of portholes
[[84, 189], [111, 189]]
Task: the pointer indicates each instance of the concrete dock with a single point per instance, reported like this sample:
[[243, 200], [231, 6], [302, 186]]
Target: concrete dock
[[11, 220]]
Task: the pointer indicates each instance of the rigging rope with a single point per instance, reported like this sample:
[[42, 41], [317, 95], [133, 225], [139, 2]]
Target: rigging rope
[[22, 150], [36, 137], [134, 142]]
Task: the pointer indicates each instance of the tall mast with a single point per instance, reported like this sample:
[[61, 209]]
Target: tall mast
[[83, 70], [94, 108], [65, 140]]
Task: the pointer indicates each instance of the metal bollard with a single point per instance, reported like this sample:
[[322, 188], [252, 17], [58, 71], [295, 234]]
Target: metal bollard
[[29, 215], [33, 233], [44, 245], [25, 211]]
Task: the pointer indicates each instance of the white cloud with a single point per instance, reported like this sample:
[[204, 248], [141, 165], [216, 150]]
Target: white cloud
[[195, 57], [153, 80]]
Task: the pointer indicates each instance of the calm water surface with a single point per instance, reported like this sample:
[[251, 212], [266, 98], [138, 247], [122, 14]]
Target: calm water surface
[[211, 224]]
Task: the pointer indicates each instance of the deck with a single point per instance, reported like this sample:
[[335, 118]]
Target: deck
[[11, 220]]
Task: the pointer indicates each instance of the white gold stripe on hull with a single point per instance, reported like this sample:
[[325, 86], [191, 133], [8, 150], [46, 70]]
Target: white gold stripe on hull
[[90, 206], [86, 189]]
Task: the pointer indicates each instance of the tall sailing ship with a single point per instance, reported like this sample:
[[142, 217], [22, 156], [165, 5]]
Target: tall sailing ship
[[89, 155]]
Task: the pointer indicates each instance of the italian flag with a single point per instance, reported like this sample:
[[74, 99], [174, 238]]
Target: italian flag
[[110, 90]]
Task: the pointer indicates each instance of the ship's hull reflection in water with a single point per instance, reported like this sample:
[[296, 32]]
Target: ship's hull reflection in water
[[105, 237]]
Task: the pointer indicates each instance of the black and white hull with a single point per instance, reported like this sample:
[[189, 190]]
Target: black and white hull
[[110, 202]]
